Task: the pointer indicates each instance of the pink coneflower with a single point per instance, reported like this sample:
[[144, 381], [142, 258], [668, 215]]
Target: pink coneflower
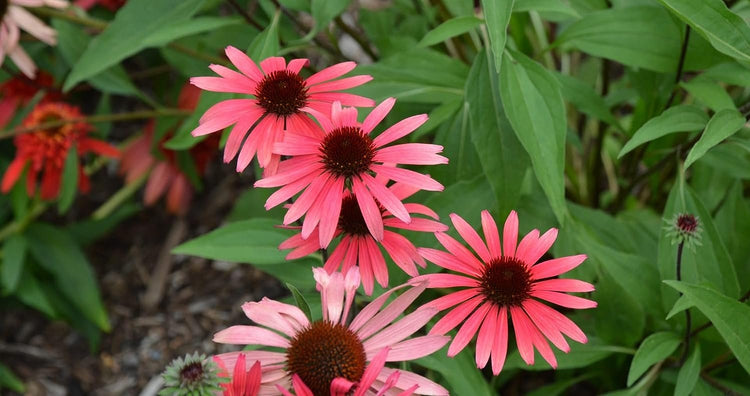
[[343, 154], [13, 18], [359, 246], [243, 383], [366, 386], [505, 282], [112, 5], [46, 150], [282, 100], [322, 351]]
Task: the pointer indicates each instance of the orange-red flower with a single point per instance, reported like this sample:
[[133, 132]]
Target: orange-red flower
[[45, 150], [19, 90]]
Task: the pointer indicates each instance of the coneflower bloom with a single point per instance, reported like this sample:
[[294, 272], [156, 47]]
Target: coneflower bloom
[[505, 282], [46, 149], [320, 352], [359, 246], [282, 101], [19, 90], [13, 18], [112, 5], [166, 175], [242, 383], [343, 154], [365, 387]]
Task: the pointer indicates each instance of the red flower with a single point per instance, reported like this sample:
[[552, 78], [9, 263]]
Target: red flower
[[46, 149], [19, 90], [112, 5]]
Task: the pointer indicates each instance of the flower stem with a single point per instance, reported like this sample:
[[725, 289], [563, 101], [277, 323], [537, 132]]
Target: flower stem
[[135, 115], [18, 226], [119, 197], [688, 320]]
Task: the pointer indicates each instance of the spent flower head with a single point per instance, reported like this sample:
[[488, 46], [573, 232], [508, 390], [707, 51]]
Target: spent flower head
[[191, 375]]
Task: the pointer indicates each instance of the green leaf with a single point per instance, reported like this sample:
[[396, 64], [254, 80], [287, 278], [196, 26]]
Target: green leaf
[[503, 159], [724, 29], [721, 126], [730, 317], [626, 35], [680, 305], [459, 373], [128, 33], [88, 231], [680, 118], [57, 252], [266, 44], [654, 348], [323, 11], [14, 257], [710, 93], [553, 7], [450, 28], [30, 293], [72, 42], [582, 96], [580, 355], [300, 300], [254, 242], [188, 27], [497, 16], [69, 181], [689, 373], [534, 105], [9, 380]]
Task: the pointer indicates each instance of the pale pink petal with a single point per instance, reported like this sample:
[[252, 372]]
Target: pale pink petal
[[556, 266], [266, 316], [411, 154], [371, 372], [371, 309], [408, 379], [391, 312], [399, 330], [246, 335], [416, 348], [510, 234]]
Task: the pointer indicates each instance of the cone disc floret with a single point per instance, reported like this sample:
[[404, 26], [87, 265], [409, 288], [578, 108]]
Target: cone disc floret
[[191, 375], [685, 228], [282, 92], [323, 352], [347, 152], [506, 281]]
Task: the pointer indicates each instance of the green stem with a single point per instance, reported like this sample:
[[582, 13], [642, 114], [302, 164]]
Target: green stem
[[119, 197], [20, 225], [135, 115]]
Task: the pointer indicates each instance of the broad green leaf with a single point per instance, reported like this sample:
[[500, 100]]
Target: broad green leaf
[[558, 387], [730, 317], [58, 253], [9, 380], [438, 115], [553, 7], [653, 349], [724, 29], [582, 96], [729, 72], [72, 42], [323, 11], [534, 105], [13, 259], [69, 182], [455, 137], [626, 35], [450, 28], [30, 293], [128, 33], [266, 44], [460, 373], [188, 27], [721, 126], [689, 373], [619, 319], [680, 118], [680, 305], [299, 300], [253, 242], [709, 263], [497, 16], [733, 221], [503, 159], [710, 93]]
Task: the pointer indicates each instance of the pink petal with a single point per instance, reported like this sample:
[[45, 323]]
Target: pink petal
[[446, 280], [344, 83], [469, 235], [368, 208], [486, 336], [377, 115], [452, 299], [400, 330], [295, 65], [365, 266], [250, 335], [377, 262], [412, 154], [371, 309], [564, 300], [458, 250], [416, 348], [399, 130], [564, 285], [303, 166], [330, 73], [386, 198], [490, 234], [448, 261], [468, 329], [541, 247], [524, 338], [158, 182], [407, 176], [391, 312], [238, 133], [547, 328], [526, 245], [272, 64], [315, 184], [334, 260], [331, 209], [456, 316], [500, 345], [398, 247], [244, 63], [371, 372], [565, 325], [556, 266], [407, 379], [419, 208], [510, 234]]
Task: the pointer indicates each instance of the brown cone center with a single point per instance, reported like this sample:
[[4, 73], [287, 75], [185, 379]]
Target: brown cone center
[[282, 93], [323, 352], [347, 152], [506, 281]]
